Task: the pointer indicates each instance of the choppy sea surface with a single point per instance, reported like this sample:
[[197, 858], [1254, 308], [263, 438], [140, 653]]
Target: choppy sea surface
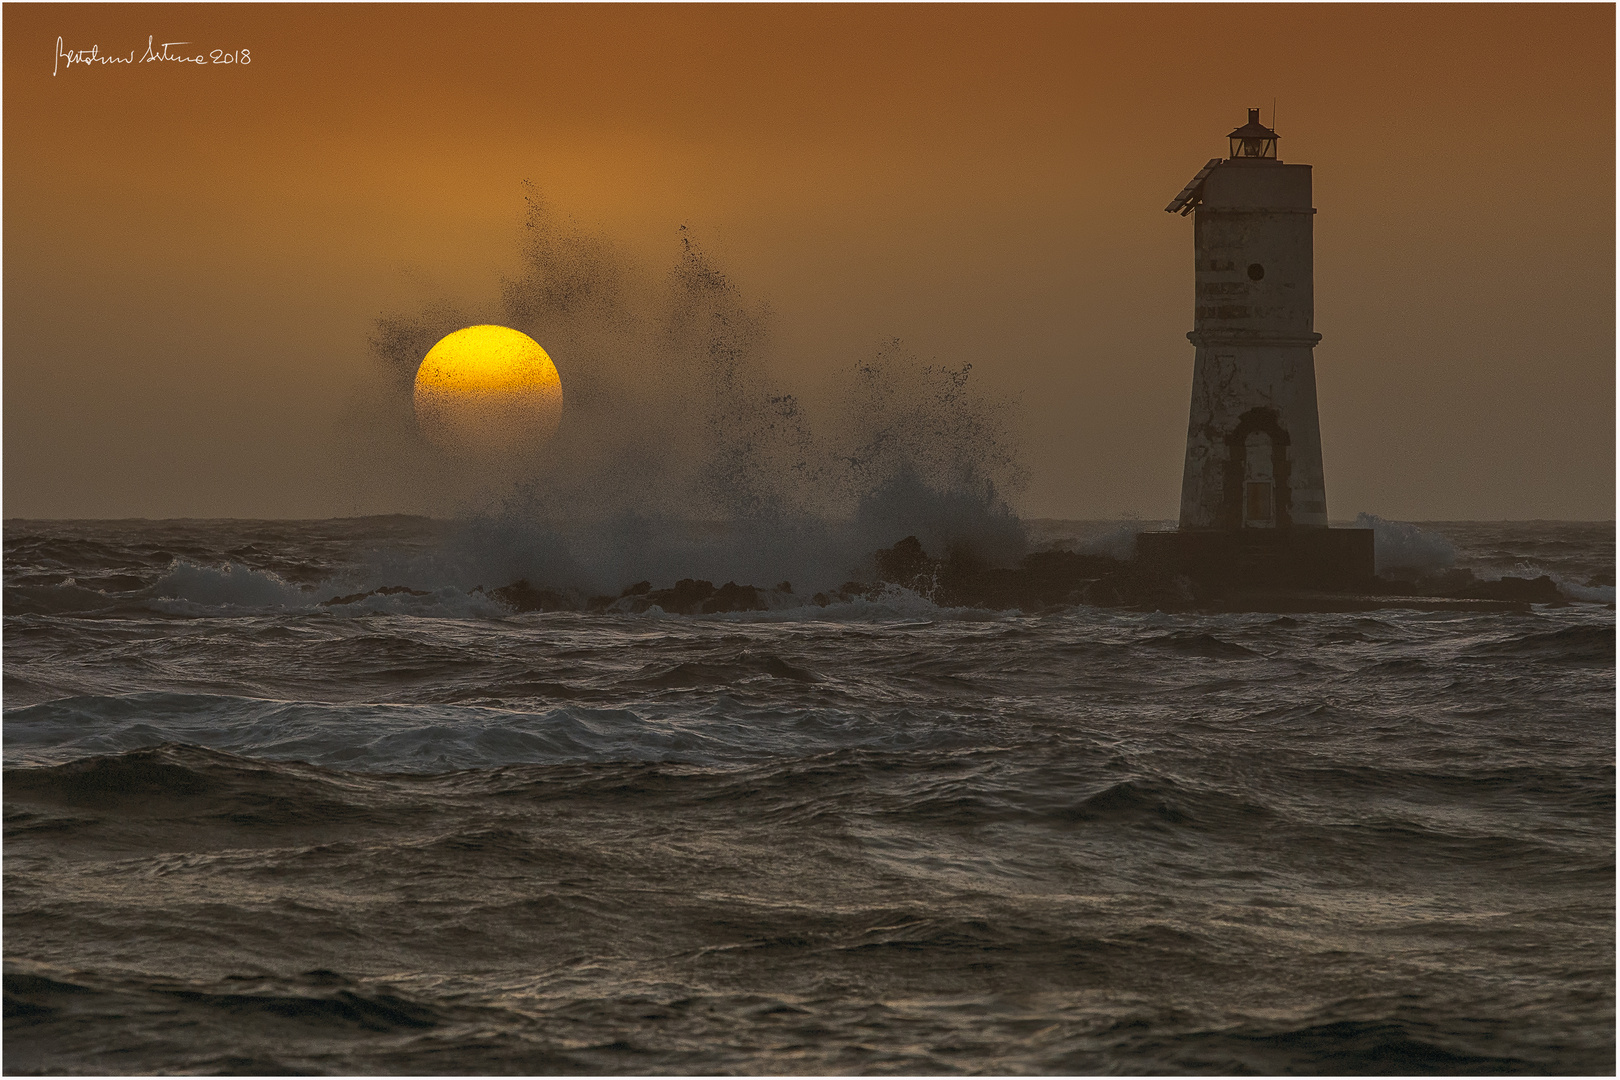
[[249, 832]]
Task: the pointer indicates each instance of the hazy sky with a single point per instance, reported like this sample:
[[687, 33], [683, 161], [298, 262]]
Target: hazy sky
[[195, 255]]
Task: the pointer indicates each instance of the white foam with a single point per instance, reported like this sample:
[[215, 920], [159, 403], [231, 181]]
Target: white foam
[[1590, 594], [229, 586], [1400, 544]]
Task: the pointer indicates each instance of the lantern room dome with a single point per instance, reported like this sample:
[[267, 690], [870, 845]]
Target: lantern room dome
[[1254, 139]]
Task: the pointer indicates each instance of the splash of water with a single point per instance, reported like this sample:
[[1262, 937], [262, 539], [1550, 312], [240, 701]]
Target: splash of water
[[678, 455], [1402, 545]]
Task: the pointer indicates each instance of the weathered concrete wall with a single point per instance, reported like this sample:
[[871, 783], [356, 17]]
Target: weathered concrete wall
[[1252, 242], [1240, 391], [1254, 445]]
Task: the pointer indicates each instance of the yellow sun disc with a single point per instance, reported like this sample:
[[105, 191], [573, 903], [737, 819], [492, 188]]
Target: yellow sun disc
[[487, 391]]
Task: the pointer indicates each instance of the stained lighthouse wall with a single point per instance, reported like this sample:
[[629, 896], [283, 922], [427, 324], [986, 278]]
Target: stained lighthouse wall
[[1254, 216], [1254, 457]]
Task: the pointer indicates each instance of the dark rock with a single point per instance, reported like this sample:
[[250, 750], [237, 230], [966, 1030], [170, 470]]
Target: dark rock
[[1041, 581], [733, 597], [520, 596], [907, 565], [686, 598], [386, 590], [1541, 590], [848, 592], [1461, 584], [695, 597]]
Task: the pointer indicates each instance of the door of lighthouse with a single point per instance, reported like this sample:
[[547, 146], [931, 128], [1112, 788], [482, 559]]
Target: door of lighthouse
[[1259, 485]]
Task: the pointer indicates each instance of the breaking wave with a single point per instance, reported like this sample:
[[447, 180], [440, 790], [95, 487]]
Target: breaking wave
[[230, 585], [679, 453]]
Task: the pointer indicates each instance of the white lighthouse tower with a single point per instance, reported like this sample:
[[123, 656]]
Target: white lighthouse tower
[[1254, 448], [1253, 505]]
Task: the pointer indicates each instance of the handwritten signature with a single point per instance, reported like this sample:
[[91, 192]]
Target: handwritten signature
[[156, 53]]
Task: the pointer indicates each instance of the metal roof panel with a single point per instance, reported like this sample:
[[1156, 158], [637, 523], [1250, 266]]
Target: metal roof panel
[[1188, 198]]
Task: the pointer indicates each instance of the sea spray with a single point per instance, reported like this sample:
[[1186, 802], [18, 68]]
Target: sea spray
[[678, 454], [1402, 545]]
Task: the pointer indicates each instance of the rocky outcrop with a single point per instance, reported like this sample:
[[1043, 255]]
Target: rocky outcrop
[[386, 590], [689, 596], [1042, 581], [1461, 584], [521, 596], [697, 597]]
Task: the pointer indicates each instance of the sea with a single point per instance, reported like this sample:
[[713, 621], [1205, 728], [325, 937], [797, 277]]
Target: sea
[[250, 830]]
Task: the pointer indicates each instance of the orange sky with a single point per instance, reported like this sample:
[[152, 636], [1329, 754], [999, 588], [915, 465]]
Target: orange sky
[[194, 256]]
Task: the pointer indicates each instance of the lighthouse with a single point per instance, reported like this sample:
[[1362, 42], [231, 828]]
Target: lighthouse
[[1253, 500]]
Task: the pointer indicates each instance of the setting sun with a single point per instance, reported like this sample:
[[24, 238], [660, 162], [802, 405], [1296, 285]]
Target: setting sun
[[486, 391]]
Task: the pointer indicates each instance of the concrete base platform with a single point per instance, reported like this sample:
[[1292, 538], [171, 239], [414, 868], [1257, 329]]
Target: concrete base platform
[[1328, 560]]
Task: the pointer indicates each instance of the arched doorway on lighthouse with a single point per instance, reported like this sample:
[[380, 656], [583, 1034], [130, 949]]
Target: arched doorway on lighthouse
[[1257, 494], [1259, 483]]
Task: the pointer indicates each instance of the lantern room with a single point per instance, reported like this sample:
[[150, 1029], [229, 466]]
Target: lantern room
[[1253, 140]]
